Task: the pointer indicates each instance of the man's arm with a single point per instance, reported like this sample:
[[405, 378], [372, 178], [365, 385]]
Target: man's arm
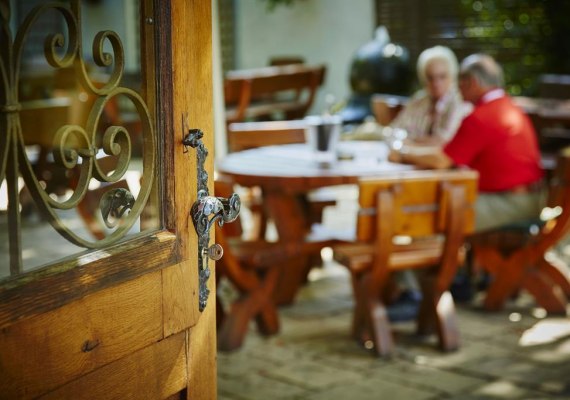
[[432, 160]]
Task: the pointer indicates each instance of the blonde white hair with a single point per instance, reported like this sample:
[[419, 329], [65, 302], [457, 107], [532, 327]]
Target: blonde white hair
[[442, 53], [484, 69]]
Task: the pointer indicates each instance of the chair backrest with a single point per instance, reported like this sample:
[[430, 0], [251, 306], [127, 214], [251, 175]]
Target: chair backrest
[[243, 88], [416, 205], [386, 107], [286, 60], [553, 86], [248, 135], [270, 80]]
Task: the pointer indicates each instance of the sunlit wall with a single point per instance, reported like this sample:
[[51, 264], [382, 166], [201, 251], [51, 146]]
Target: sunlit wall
[[320, 31]]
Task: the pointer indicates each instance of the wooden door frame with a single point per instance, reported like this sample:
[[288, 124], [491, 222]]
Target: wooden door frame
[[190, 39], [184, 79]]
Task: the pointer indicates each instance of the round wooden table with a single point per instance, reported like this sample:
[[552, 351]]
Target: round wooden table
[[295, 168], [287, 173]]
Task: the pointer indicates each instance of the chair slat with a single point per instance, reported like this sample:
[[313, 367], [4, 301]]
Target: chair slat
[[419, 197]]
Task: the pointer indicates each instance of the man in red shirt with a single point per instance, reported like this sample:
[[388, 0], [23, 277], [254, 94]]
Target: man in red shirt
[[498, 140]]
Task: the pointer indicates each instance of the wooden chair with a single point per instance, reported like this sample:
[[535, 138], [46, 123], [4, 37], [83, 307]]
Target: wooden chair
[[516, 256], [253, 268], [249, 135], [261, 93], [554, 86], [434, 209], [386, 107]]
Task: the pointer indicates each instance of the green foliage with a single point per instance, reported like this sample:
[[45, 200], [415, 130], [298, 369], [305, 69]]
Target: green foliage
[[520, 34]]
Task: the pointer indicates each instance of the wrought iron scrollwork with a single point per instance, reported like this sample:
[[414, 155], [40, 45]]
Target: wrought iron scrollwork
[[65, 51], [206, 211], [114, 204]]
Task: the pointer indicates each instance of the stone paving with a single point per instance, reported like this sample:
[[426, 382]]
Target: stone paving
[[519, 353], [514, 354]]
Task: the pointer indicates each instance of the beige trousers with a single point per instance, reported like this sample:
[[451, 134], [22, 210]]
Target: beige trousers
[[493, 210]]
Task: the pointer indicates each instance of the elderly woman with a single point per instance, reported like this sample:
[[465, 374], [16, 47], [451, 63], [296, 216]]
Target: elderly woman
[[434, 113]]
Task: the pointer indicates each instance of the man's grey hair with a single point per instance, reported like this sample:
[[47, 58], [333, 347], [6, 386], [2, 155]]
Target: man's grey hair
[[484, 69], [442, 53]]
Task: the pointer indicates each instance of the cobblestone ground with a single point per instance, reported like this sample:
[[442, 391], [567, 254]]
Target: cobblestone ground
[[514, 354], [519, 353]]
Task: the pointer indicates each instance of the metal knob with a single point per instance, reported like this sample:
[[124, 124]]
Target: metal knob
[[214, 252]]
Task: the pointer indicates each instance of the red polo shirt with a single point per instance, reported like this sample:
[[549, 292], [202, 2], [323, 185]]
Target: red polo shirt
[[498, 140]]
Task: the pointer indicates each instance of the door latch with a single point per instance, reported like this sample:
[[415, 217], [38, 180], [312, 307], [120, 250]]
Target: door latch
[[206, 211]]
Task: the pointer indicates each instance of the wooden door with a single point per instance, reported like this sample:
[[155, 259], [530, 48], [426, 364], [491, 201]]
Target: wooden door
[[119, 318]]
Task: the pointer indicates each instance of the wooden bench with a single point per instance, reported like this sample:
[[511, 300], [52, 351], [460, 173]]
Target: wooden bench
[[435, 210], [260, 94], [278, 61], [516, 256]]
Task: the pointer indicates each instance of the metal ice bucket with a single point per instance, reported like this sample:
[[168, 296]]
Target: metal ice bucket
[[322, 134]]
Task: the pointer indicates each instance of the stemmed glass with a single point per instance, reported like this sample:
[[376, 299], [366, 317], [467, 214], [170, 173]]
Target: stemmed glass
[[395, 137]]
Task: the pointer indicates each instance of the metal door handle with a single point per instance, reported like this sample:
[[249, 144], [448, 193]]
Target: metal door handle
[[205, 212]]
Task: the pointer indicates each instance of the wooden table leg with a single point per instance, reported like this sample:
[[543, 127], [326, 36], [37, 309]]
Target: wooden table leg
[[289, 216]]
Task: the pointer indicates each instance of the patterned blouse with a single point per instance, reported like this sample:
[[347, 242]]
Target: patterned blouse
[[418, 119]]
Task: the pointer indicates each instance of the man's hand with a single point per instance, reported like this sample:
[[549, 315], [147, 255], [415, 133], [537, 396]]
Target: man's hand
[[436, 159]]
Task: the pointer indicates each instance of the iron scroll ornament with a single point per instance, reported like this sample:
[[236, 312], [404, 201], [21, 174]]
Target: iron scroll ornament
[[206, 211], [75, 147]]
